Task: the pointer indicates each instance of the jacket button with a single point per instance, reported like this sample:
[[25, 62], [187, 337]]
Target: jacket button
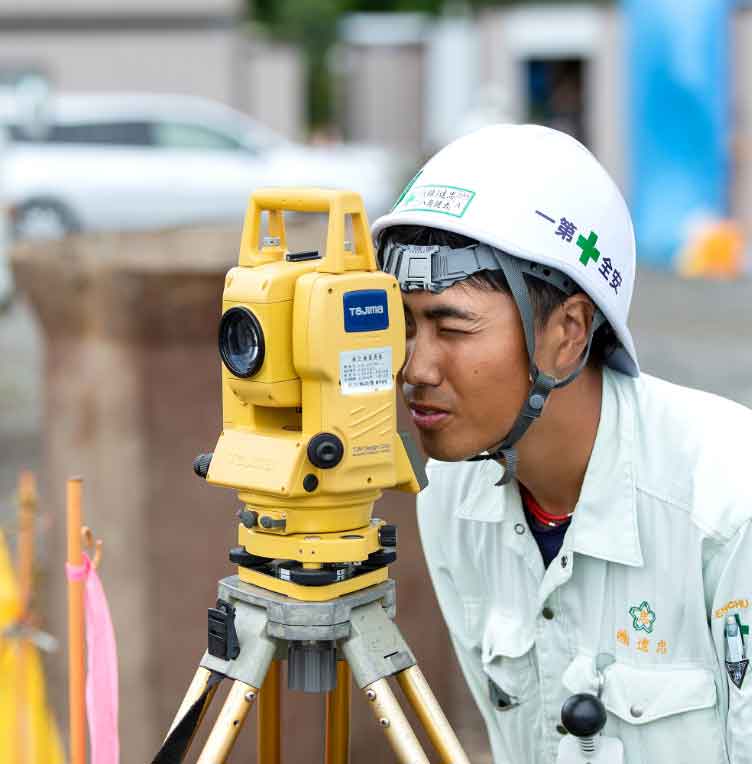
[[547, 613], [636, 711], [519, 529]]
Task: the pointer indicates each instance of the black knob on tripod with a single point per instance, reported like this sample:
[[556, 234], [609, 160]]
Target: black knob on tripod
[[201, 465], [583, 715]]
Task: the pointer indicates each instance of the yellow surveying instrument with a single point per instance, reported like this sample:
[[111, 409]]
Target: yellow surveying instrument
[[311, 347]]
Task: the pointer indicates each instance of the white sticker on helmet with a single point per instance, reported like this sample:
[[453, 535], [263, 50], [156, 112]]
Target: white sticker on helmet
[[445, 200]]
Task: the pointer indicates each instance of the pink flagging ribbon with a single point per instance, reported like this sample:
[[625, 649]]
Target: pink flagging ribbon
[[101, 669]]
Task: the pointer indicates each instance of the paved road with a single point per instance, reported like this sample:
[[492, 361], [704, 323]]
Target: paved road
[[695, 333]]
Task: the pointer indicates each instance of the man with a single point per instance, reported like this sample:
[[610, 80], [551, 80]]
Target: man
[[587, 527]]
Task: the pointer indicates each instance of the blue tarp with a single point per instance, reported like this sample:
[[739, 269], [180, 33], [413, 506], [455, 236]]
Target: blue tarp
[[679, 112]]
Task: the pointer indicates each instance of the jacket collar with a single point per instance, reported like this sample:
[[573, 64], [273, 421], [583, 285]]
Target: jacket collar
[[604, 524]]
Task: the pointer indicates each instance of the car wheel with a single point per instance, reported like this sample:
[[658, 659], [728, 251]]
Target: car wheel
[[43, 219]]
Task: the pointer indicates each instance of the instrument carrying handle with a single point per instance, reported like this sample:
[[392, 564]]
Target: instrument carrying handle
[[317, 200]]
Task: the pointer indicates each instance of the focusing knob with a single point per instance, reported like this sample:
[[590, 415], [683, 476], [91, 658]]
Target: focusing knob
[[325, 450], [583, 715], [388, 535], [201, 465]]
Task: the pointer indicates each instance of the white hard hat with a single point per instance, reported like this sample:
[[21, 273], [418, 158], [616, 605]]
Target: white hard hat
[[539, 195]]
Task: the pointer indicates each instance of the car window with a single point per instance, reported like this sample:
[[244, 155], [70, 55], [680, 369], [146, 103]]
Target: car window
[[110, 133], [180, 135]]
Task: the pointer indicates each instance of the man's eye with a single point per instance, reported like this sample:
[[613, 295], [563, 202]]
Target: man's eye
[[451, 330]]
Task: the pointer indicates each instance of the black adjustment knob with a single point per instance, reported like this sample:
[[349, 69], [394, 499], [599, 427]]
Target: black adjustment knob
[[583, 715], [201, 465], [248, 517], [325, 450], [388, 535], [310, 483]]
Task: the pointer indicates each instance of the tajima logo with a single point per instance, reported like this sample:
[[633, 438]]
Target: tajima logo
[[368, 310], [365, 310]]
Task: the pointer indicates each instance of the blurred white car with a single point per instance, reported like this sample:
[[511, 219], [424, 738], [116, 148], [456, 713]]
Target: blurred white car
[[137, 161]]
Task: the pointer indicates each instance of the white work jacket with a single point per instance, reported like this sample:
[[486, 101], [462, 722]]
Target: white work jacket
[[658, 553]]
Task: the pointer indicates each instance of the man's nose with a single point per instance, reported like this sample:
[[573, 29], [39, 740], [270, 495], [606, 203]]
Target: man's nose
[[422, 363]]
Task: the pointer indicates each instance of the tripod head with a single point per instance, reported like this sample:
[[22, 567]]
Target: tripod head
[[311, 347]]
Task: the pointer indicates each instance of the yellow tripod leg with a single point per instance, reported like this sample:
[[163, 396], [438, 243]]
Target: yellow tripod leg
[[230, 720], [392, 720], [195, 690], [425, 705], [337, 741], [268, 732]]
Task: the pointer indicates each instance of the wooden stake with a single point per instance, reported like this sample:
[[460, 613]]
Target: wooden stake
[[76, 670]]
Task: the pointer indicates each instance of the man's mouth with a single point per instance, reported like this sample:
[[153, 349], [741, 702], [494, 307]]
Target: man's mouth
[[427, 417]]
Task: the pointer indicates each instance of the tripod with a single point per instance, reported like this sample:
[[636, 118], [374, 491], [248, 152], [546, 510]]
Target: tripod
[[325, 643]]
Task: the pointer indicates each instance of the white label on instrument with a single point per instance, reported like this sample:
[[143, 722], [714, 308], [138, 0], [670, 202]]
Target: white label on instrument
[[365, 371]]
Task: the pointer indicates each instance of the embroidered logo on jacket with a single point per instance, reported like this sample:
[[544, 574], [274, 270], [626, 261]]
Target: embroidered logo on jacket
[[643, 617]]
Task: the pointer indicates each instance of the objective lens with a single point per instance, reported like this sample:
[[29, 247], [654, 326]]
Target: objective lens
[[241, 342]]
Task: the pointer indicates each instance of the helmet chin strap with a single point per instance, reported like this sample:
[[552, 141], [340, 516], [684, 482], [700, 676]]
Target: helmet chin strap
[[542, 384], [435, 268]]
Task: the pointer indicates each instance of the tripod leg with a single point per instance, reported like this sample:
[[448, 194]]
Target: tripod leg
[[337, 742], [423, 701], [230, 720], [392, 719], [195, 690], [268, 733]]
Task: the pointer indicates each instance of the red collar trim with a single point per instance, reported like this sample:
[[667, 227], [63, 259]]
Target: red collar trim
[[540, 514]]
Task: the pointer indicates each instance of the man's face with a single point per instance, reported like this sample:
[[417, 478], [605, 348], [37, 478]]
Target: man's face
[[466, 368]]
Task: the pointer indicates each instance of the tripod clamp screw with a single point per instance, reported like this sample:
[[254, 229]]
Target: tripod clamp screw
[[223, 639], [250, 696], [384, 722], [371, 695]]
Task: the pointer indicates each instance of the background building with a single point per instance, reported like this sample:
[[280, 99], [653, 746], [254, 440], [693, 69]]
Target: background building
[[177, 46]]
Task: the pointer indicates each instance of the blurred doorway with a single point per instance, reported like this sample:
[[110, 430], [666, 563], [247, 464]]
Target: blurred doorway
[[555, 94]]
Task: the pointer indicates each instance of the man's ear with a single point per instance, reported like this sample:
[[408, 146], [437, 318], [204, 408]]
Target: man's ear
[[563, 339]]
